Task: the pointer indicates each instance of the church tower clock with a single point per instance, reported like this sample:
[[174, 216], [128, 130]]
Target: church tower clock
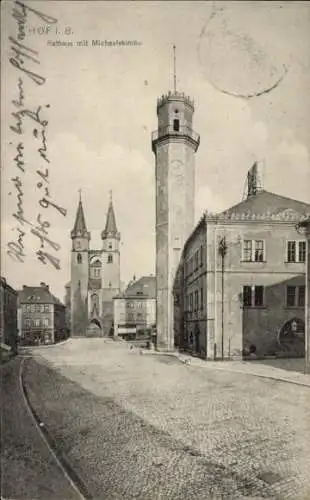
[[174, 144]]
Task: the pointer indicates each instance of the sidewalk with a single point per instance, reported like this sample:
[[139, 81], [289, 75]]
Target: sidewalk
[[284, 370]]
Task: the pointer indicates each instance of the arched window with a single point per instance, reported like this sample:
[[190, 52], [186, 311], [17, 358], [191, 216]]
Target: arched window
[[79, 258], [110, 259], [176, 125], [110, 246]]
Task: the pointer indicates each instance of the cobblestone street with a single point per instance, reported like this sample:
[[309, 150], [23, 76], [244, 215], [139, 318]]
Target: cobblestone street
[[252, 428]]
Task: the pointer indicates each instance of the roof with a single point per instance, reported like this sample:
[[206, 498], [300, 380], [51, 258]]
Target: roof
[[79, 228], [4, 284], [265, 202], [144, 287], [37, 295], [110, 226]]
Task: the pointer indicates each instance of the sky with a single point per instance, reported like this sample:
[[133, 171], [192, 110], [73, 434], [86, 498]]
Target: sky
[[102, 109]]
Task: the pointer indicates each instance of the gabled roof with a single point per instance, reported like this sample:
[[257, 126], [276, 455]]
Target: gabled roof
[[144, 287], [37, 295], [266, 202], [79, 228]]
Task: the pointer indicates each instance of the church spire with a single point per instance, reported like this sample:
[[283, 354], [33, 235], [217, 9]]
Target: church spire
[[80, 229], [110, 230]]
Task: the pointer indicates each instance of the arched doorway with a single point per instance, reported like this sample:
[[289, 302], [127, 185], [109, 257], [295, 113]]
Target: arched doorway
[[291, 337], [94, 329]]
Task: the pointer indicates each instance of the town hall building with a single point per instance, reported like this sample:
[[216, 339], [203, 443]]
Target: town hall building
[[95, 277]]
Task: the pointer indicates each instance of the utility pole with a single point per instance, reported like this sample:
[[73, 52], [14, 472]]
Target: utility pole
[[304, 226], [223, 251]]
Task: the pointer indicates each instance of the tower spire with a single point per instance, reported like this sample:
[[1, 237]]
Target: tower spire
[[174, 70], [79, 228], [110, 227]]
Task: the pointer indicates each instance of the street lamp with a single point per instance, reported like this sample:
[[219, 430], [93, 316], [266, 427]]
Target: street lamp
[[304, 228], [222, 251]]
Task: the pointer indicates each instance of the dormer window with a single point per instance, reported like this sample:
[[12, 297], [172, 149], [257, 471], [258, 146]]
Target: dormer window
[[176, 125], [79, 258]]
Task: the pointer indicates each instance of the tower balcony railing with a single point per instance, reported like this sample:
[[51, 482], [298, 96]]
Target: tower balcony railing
[[183, 131]]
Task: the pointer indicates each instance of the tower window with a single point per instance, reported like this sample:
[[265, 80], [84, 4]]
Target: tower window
[[110, 259], [176, 125], [79, 258], [110, 246]]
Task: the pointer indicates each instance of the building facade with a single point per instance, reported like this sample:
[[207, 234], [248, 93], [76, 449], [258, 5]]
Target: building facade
[[41, 316], [135, 310], [174, 144], [95, 277], [304, 226], [241, 281], [8, 314]]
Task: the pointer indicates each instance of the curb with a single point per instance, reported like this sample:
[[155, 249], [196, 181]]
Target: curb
[[227, 369], [48, 346], [74, 480]]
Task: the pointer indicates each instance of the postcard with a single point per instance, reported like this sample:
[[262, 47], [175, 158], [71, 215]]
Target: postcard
[[155, 198]]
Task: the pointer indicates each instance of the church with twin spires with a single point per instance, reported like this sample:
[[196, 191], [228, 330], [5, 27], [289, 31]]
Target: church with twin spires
[[95, 277]]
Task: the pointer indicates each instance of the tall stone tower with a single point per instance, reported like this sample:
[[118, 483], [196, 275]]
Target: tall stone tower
[[111, 282], [174, 145], [79, 273]]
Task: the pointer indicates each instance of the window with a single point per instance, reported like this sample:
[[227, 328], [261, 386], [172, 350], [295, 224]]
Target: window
[[42, 308], [253, 296], [247, 296], [196, 300], [201, 298], [258, 296], [110, 246], [254, 250], [96, 272], [79, 258], [176, 125], [201, 256], [247, 250], [191, 302], [45, 322], [196, 260], [301, 296], [296, 251], [259, 251], [295, 296], [110, 259], [47, 307], [290, 296], [36, 322], [302, 251]]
